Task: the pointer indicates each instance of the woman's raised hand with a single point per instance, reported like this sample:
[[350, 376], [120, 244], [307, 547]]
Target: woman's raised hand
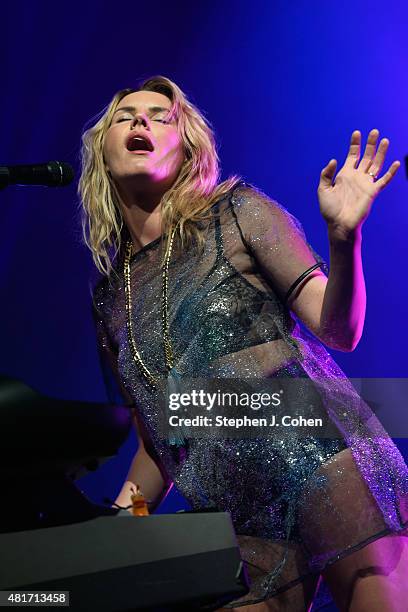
[[346, 201]]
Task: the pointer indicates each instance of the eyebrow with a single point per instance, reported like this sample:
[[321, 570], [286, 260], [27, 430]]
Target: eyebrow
[[154, 109]]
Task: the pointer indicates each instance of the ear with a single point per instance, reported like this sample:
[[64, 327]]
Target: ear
[[106, 165]]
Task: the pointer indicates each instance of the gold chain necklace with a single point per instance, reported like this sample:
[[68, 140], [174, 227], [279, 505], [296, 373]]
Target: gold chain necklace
[[168, 351]]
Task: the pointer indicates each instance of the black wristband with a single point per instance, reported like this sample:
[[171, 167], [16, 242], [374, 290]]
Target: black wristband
[[301, 277]]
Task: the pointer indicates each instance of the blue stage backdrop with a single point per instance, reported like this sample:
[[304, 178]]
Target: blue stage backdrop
[[284, 85]]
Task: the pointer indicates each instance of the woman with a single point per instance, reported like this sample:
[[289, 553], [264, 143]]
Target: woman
[[209, 280]]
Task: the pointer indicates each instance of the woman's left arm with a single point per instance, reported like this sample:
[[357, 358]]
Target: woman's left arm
[[340, 300], [345, 202], [332, 307]]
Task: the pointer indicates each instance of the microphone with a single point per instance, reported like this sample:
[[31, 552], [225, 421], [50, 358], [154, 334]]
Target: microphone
[[50, 174]]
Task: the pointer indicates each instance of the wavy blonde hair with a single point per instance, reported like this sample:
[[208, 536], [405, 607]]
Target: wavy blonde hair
[[187, 202]]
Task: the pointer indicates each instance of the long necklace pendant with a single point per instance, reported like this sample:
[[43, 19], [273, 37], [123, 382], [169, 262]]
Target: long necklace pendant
[[176, 435]]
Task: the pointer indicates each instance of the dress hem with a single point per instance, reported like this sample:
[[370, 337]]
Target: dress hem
[[345, 553]]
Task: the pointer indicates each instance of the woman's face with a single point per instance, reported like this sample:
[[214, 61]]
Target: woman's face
[[141, 148]]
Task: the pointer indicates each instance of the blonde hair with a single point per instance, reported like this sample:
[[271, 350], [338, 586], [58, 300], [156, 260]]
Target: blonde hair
[[192, 194]]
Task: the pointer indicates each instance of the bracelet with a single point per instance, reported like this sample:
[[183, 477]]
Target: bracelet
[[301, 277]]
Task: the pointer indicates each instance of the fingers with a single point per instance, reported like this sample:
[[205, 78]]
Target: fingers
[[371, 162], [327, 174], [353, 155], [388, 176], [373, 158], [378, 161], [370, 149]]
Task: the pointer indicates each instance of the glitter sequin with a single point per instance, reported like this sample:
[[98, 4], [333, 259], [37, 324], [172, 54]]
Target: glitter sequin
[[297, 504]]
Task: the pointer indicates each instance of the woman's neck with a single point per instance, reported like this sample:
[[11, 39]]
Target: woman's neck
[[142, 216]]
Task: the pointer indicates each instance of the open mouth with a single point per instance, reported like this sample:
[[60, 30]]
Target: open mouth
[[138, 143]]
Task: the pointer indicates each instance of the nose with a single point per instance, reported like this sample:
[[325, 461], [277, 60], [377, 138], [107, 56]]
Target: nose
[[139, 118]]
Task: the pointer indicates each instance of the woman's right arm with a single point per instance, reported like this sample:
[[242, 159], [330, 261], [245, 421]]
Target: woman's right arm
[[145, 471]]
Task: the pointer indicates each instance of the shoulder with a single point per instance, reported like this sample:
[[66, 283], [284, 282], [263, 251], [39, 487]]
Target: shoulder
[[251, 198], [239, 192], [102, 294], [99, 290], [256, 210], [245, 190]]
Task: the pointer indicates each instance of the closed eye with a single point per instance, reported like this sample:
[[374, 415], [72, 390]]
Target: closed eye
[[130, 118]]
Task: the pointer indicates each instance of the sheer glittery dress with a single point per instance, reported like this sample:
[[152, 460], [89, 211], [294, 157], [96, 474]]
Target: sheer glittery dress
[[297, 503]]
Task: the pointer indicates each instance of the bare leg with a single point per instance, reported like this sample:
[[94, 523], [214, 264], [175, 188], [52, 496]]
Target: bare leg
[[296, 599], [373, 578]]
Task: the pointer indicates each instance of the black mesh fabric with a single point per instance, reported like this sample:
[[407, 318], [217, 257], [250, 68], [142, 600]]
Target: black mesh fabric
[[289, 498]]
